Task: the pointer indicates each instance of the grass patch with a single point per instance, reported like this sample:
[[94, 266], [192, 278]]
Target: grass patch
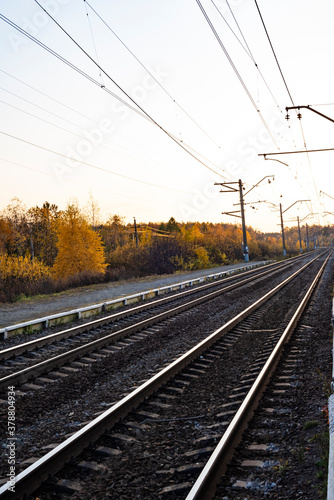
[[310, 424]]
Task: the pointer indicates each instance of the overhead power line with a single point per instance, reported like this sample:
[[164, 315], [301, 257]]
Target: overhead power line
[[71, 65], [91, 119], [274, 53], [235, 70], [290, 96], [246, 48], [76, 182], [151, 74], [91, 165], [125, 93], [71, 132], [82, 73]]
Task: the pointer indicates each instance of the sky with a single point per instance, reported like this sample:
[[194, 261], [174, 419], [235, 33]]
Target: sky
[[148, 107]]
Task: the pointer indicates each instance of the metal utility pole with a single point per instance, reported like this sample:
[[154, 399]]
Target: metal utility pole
[[280, 206], [231, 189], [136, 234], [300, 236], [307, 234], [244, 232], [282, 226], [307, 240]]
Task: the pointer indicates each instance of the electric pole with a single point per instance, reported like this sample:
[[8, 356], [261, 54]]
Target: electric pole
[[282, 226], [136, 234], [231, 189], [300, 236], [244, 232], [307, 240]]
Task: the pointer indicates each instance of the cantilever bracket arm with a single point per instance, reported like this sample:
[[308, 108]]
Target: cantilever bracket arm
[[311, 109], [233, 214], [227, 185], [298, 201], [274, 159], [329, 196]]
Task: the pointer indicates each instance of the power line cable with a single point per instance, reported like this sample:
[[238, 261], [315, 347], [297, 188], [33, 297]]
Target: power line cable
[[75, 182], [289, 93], [87, 117], [72, 123], [235, 70], [144, 115], [73, 133], [272, 48], [246, 48], [94, 45], [48, 96], [71, 65], [124, 92], [151, 74], [91, 165]]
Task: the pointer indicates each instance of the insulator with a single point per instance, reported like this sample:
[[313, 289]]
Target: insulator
[[299, 116], [287, 117]]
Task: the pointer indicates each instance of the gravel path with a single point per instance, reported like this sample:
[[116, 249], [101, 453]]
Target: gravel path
[[37, 307]]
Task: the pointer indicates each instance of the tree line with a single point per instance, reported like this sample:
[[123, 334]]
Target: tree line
[[44, 249]]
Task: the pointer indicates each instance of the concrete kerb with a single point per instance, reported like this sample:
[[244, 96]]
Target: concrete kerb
[[330, 482], [84, 312]]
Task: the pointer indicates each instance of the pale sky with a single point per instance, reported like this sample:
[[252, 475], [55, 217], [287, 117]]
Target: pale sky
[[224, 117]]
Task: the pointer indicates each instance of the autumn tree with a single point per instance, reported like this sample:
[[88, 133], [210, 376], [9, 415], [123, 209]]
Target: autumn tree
[[113, 232], [80, 248], [43, 229], [92, 211], [171, 226], [6, 234], [18, 230]]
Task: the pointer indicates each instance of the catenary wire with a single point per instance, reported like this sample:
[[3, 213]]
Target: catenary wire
[[144, 115], [289, 93], [94, 45], [91, 165], [151, 74], [91, 119], [246, 48], [235, 70], [74, 133], [76, 182], [71, 65], [274, 53], [150, 118]]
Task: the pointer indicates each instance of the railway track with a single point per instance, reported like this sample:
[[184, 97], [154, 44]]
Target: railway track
[[252, 342], [85, 343]]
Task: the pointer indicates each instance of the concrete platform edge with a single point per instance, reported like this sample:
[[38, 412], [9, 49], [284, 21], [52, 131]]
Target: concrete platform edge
[[83, 312]]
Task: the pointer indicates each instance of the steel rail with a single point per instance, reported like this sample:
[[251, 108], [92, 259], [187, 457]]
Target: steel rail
[[38, 369], [205, 486], [32, 477], [70, 332]]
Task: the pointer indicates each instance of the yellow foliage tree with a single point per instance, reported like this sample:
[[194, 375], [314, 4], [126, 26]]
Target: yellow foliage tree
[[79, 247], [202, 260], [21, 267]]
